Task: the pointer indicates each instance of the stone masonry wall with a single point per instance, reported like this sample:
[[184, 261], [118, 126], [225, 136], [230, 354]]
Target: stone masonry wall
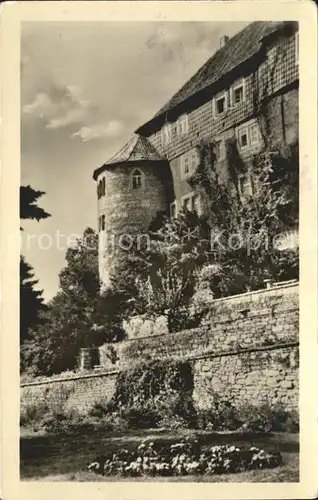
[[247, 348], [128, 211], [260, 376], [79, 392], [262, 318]]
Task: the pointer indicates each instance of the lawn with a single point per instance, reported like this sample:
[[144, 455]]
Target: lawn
[[64, 457]]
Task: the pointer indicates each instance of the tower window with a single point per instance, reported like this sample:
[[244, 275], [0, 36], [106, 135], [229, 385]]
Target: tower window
[[101, 188], [102, 224], [136, 179]]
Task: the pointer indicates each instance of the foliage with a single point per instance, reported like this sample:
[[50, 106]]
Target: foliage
[[31, 299], [67, 324], [152, 394], [177, 251], [149, 379], [28, 204], [183, 458], [245, 229], [266, 418], [36, 410], [78, 316], [32, 413], [223, 414]]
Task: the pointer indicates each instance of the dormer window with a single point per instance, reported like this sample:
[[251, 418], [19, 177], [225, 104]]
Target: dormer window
[[137, 179], [166, 134], [220, 105], [182, 125], [238, 93]]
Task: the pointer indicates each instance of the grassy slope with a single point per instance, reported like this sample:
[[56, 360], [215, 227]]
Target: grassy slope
[[65, 457]]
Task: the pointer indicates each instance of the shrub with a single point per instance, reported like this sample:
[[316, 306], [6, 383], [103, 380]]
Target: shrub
[[176, 410], [32, 412], [221, 415], [183, 458], [155, 393], [141, 417], [266, 418]]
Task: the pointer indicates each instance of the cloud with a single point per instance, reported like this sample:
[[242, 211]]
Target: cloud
[[60, 106], [97, 131], [39, 106], [71, 117]]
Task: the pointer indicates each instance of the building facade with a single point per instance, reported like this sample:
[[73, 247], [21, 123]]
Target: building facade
[[257, 69]]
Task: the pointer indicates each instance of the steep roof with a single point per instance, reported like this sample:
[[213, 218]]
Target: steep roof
[[241, 47], [138, 148]]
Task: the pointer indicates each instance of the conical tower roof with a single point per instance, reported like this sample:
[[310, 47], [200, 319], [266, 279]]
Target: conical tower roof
[[138, 148]]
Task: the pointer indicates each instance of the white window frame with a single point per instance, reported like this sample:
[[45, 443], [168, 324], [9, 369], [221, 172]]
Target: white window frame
[[199, 211], [140, 175], [246, 127], [166, 134], [175, 206], [191, 196], [237, 85], [248, 178], [240, 133], [185, 159], [253, 143], [297, 48], [189, 157], [221, 143], [194, 156], [215, 100], [182, 125]]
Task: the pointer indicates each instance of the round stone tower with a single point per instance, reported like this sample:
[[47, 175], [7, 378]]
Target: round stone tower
[[132, 187]]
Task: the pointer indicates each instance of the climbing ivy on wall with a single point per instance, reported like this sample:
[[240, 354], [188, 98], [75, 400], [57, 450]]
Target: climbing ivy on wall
[[245, 230]]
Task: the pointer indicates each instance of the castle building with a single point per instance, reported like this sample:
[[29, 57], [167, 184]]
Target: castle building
[[255, 69]]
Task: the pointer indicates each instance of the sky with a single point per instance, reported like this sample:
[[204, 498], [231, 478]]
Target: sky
[[85, 89]]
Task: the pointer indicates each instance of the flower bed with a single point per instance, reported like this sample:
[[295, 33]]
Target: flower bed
[[184, 458]]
